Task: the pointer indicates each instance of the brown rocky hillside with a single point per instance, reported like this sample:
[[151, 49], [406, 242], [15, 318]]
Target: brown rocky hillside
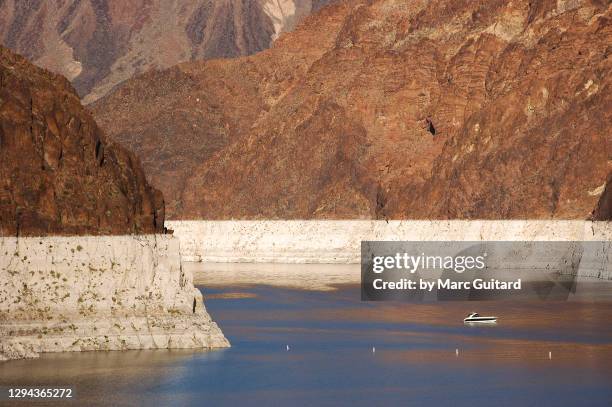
[[100, 43], [387, 109], [58, 174]]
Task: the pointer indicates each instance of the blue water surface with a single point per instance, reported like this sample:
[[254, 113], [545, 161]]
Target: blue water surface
[[346, 352]]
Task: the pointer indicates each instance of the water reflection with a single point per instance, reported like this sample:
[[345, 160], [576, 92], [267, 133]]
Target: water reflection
[[424, 355], [111, 378]]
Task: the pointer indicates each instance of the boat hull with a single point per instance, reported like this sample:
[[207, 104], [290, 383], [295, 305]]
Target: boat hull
[[480, 320]]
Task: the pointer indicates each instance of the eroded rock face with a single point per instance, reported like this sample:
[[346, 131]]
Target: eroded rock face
[[339, 241], [98, 44], [178, 118], [58, 174], [382, 109], [60, 294]]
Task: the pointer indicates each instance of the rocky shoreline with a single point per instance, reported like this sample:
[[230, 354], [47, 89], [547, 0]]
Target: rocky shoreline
[[339, 241], [89, 293]]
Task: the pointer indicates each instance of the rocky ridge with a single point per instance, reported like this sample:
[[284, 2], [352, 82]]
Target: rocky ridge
[[380, 109], [58, 173], [98, 44]]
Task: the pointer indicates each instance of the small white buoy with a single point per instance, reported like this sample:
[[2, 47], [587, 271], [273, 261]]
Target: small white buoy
[[373, 349], [287, 348], [457, 352], [549, 355]]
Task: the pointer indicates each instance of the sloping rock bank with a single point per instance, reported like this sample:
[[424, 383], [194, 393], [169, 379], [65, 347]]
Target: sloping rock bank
[[99, 293]]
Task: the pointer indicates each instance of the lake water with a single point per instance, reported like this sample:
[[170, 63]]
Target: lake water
[[330, 361]]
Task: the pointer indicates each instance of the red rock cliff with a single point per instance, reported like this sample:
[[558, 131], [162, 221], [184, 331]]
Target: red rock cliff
[[58, 174], [378, 109]]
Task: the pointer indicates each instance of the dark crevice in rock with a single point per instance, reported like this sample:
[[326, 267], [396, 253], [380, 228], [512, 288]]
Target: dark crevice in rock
[[430, 126], [381, 202], [555, 193], [603, 211], [98, 146]]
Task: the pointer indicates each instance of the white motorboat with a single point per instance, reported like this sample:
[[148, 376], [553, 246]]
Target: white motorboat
[[475, 318]]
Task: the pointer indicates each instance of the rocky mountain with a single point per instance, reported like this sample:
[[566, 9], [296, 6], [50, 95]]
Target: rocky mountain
[[58, 174], [386, 109], [97, 44], [177, 118]]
